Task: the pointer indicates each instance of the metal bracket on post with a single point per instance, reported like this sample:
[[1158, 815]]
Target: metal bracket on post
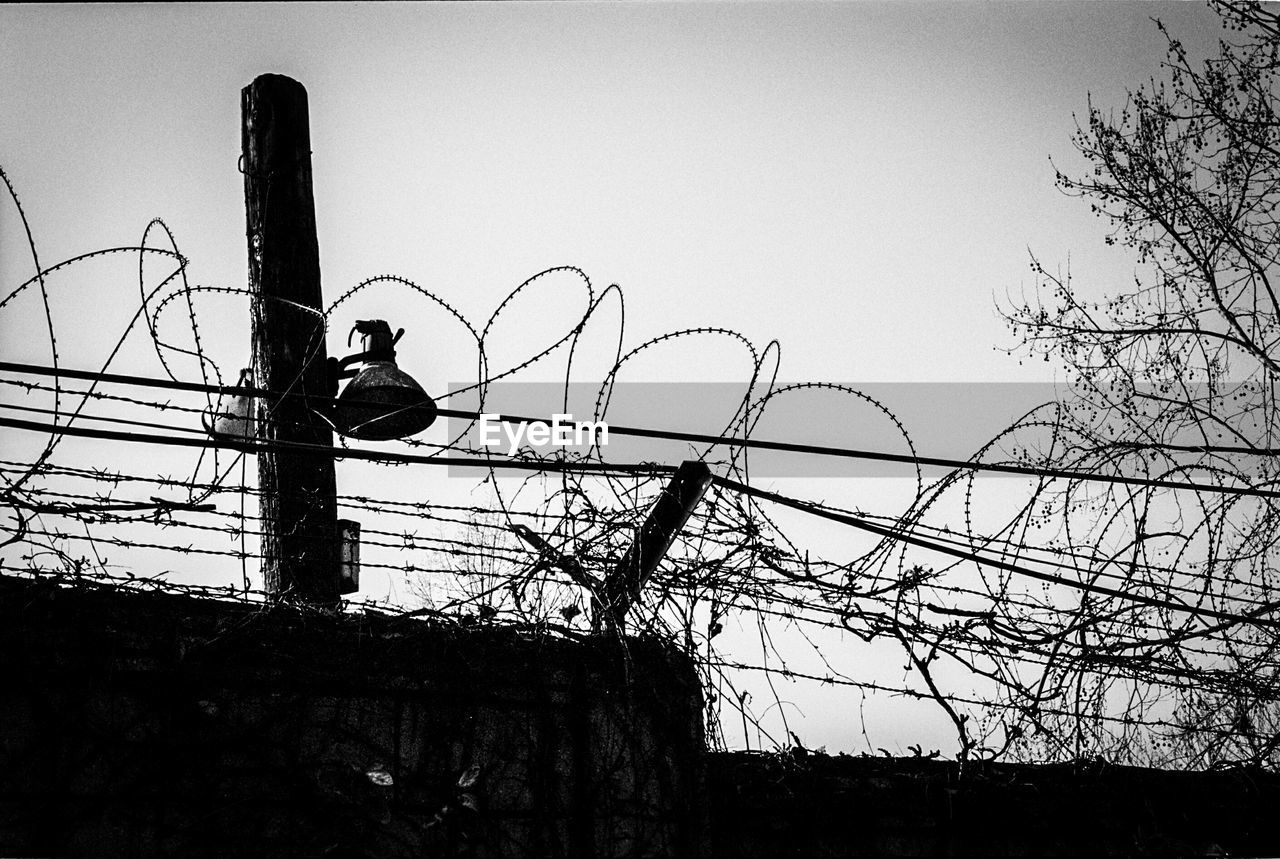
[[665, 520]]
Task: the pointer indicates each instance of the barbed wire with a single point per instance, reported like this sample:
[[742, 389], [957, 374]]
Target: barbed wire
[[1006, 659]]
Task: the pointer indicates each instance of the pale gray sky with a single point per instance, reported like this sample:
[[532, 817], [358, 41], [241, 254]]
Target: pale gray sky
[[854, 179]]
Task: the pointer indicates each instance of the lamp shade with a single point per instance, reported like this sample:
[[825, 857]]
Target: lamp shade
[[383, 402]]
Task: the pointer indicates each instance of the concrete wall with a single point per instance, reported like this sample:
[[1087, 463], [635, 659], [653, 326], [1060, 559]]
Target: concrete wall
[[806, 805], [153, 725]]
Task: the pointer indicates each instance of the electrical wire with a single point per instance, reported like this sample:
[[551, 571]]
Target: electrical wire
[[1254, 617], [703, 438]]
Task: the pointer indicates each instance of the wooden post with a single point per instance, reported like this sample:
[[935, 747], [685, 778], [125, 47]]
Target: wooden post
[[669, 514], [298, 506]]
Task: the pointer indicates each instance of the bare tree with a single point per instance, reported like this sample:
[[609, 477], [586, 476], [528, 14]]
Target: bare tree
[[1171, 377]]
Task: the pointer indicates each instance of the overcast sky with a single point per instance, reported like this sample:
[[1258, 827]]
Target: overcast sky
[[857, 180], [860, 181]]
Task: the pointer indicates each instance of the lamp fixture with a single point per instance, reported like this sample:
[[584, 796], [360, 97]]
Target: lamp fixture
[[381, 401]]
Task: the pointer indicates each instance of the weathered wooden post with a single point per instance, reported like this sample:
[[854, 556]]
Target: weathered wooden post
[[300, 546], [669, 514]]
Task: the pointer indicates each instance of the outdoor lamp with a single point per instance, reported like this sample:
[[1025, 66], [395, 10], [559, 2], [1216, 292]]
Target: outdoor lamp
[[381, 401]]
